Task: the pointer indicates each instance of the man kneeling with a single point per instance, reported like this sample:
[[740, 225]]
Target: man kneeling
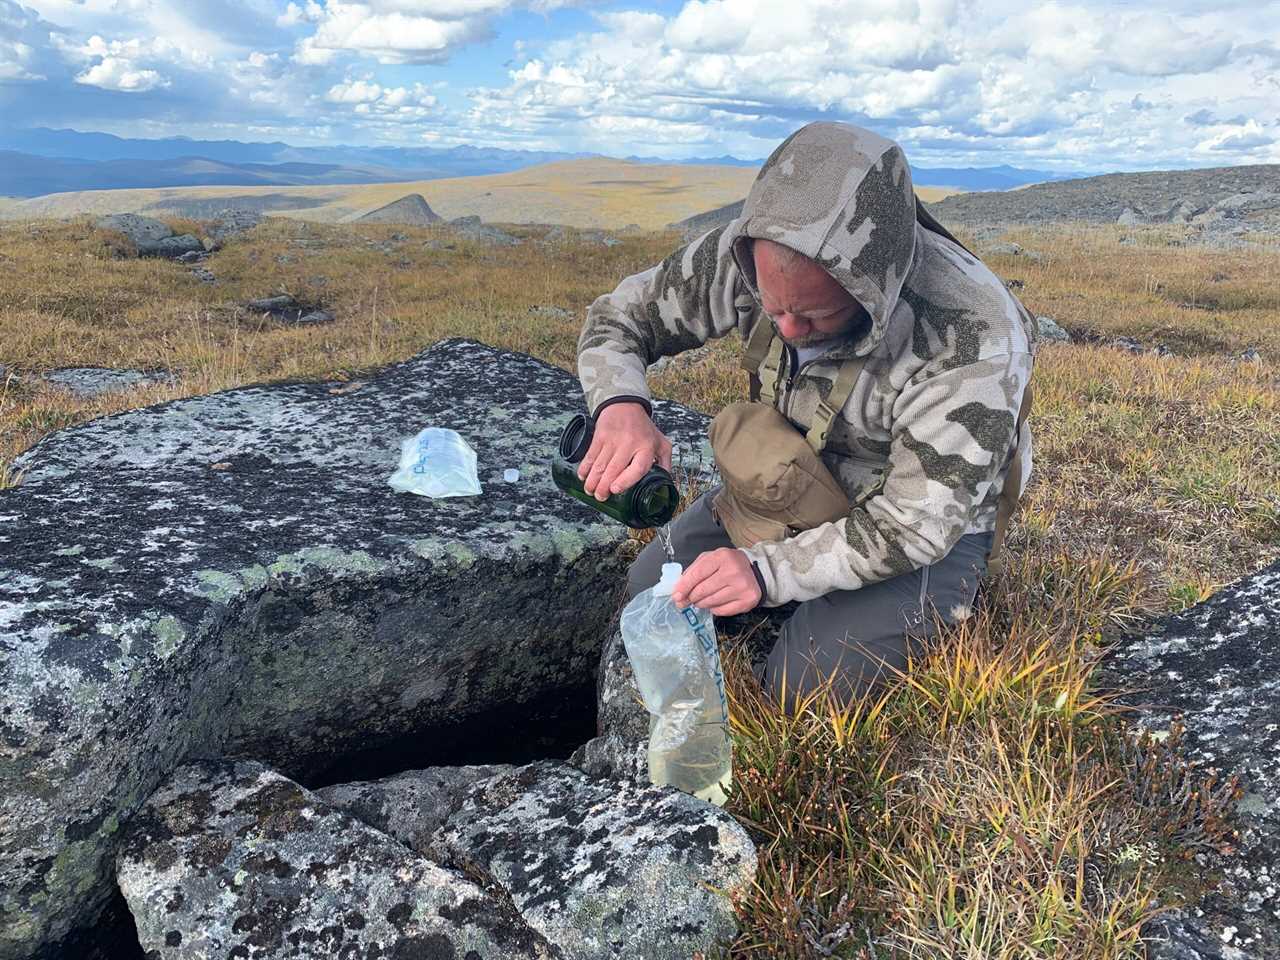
[[871, 478]]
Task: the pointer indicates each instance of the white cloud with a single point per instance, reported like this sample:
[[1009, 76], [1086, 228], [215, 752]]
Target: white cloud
[[24, 44], [119, 73], [293, 14], [1074, 78], [399, 31], [357, 91]]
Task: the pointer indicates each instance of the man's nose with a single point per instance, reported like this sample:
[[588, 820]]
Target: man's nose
[[790, 326]]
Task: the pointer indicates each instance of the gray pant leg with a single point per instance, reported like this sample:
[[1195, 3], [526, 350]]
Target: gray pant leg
[[863, 636], [694, 531]]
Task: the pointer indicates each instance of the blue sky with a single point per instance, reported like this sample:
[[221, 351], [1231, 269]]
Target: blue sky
[[1069, 84]]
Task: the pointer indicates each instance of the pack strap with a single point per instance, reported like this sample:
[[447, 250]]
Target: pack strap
[[753, 352], [770, 373], [1012, 488], [846, 377]]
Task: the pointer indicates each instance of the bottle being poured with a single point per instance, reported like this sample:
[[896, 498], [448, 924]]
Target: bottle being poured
[[676, 662]]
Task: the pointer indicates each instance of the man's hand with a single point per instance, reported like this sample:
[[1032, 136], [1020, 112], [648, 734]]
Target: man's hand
[[721, 581], [625, 445]]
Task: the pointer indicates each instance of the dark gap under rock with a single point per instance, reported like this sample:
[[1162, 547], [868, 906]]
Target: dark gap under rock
[[549, 728]]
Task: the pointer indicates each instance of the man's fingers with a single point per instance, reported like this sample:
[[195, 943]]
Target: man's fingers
[[597, 469], [706, 579], [731, 608], [698, 570], [609, 473], [717, 598], [664, 454], [639, 466]]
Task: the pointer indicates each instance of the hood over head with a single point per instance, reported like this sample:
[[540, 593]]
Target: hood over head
[[840, 195]]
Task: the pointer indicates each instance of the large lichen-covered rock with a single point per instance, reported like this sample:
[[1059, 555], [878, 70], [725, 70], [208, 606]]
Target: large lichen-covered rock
[[410, 806], [234, 860], [604, 868], [1217, 667], [231, 576]]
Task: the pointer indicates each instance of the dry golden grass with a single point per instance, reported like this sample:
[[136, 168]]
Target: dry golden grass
[[988, 806]]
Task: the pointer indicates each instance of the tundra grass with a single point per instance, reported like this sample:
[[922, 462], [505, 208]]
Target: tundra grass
[[988, 804]]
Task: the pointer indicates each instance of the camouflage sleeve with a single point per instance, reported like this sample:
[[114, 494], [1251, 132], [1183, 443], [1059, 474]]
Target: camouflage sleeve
[[952, 435], [686, 300]]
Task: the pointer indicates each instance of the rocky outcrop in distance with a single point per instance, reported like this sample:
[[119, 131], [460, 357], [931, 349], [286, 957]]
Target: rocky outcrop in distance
[[1219, 203], [411, 210], [231, 577], [700, 223]]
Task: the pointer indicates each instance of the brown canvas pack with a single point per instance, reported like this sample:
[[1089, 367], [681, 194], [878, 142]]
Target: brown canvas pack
[[775, 485]]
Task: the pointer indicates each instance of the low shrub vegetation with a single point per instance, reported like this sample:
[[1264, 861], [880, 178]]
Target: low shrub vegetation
[[989, 804]]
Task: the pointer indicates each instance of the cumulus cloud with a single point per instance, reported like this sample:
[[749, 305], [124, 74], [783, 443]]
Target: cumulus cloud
[[118, 73], [398, 31], [1089, 83], [944, 75], [24, 44]]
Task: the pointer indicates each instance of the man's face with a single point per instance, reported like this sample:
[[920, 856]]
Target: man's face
[[806, 303]]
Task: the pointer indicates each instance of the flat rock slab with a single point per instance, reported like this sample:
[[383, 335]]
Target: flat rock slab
[[231, 576], [88, 382], [1217, 667], [605, 868], [234, 860]]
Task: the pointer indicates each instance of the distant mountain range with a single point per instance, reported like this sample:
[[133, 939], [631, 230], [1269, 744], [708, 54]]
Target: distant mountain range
[[39, 161]]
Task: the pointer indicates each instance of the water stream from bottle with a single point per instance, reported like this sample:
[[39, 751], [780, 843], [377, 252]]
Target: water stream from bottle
[[664, 534]]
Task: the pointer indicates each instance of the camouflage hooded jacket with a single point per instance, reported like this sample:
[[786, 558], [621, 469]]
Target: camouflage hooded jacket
[[922, 445]]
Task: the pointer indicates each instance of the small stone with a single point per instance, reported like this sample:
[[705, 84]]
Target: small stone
[[273, 304], [314, 317], [510, 475], [1051, 330]]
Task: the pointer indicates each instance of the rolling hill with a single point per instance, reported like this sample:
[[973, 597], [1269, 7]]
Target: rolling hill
[[591, 193]]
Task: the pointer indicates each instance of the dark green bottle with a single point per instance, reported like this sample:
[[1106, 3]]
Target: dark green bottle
[[650, 502]]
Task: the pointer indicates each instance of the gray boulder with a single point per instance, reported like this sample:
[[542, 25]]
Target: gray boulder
[[1216, 667], [87, 382], [700, 223], [605, 869], [1010, 249], [1051, 331], [142, 232], [149, 236], [620, 748], [1130, 217], [412, 209], [234, 860], [232, 576], [474, 230], [174, 248], [410, 806], [232, 222]]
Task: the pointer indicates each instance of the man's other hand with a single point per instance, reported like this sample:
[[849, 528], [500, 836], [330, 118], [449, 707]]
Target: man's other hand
[[721, 581], [625, 445]]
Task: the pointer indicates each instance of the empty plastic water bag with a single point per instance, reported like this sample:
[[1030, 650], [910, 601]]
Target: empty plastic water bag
[[436, 463]]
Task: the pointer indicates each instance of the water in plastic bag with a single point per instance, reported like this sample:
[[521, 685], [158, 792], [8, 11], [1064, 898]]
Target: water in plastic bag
[[676, 663], [436, 463]]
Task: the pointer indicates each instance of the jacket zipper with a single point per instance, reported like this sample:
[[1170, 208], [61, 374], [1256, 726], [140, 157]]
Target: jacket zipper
[[793, 357]]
